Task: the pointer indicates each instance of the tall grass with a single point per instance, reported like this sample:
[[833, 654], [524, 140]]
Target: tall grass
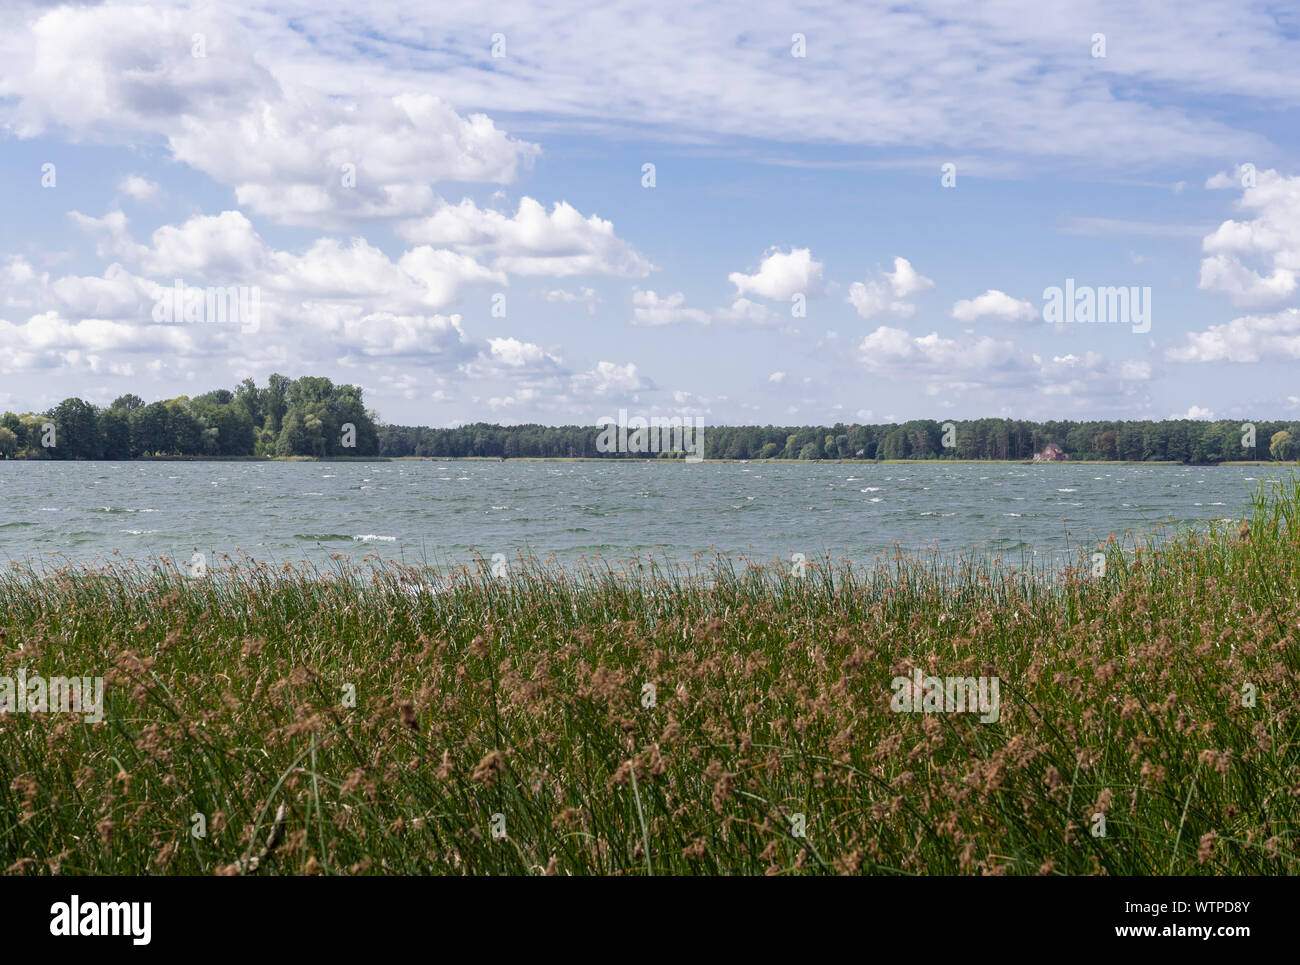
[[524, 706]]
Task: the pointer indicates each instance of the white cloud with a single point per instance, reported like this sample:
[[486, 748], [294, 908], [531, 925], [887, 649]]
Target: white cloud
[[1250, 338], [776, 377], [532, 242], [1272, 236], [994, 304], [50, 341], [586, 296], [331, 302], [886, 294], [609, 378], [117, 295], [387, 335], [517, 354], [1225, 273], [650, 309], [226, 249], [510, 357], [142, 189], [744, 312], [1031, 76], [978, 363], [241, 116], [781, 276], [520, 397], [888, 348], [1199, 413]]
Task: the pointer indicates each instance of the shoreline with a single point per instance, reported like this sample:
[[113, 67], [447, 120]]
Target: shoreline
[[638, 459]]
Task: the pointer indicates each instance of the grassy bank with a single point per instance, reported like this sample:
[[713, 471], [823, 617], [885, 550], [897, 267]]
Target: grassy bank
[[227, 710]]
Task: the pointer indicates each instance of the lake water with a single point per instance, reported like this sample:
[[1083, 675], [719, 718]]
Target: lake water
[[441, 513]]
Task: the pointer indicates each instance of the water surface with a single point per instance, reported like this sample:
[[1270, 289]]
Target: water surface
[[447, 512]]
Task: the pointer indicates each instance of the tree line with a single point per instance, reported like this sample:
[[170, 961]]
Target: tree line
[[1179, 440], [311, 416]]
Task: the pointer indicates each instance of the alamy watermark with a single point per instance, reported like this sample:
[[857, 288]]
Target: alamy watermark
[[1083, 304], [234, 305], [921, 694], [55, 695], [677, 434], [131, 919]]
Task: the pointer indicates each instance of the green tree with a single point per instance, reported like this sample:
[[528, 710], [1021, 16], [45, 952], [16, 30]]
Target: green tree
[[76, 425], [293, 439], [149, 434], [1283, 446], [275, 401], [115, 434], [130, 402]]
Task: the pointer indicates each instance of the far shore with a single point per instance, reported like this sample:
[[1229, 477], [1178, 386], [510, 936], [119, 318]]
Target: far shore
[[645, 459]]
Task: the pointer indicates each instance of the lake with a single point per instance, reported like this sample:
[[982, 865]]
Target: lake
[[446, 512]]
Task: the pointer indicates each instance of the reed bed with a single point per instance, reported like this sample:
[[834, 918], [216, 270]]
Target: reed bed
[[655, 720]]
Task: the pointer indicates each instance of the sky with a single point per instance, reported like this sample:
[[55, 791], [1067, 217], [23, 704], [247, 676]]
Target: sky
[[748, 212]]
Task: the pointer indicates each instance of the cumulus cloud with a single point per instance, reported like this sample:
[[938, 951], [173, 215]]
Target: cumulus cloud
[[532, 242], [227, 249], [516, 354], [141, 189], [1250, 338], [781, 276], [994, 304], [48, 341], [886, 294], [970, 363], [332, 301], [389, 335], [1245, 286], [1272, 238], [744, 312], [290, 151], [513, 357], [116, 295], [889, 348], [651, 310], [609, 378], [1089, 375], [586, 296]]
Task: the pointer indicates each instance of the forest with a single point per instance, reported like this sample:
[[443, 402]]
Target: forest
[[313, 417]]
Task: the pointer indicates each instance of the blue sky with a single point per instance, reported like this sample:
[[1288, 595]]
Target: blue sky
[[211, 144]]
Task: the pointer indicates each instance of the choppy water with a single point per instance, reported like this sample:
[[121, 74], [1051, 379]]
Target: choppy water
[[447, 512]]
